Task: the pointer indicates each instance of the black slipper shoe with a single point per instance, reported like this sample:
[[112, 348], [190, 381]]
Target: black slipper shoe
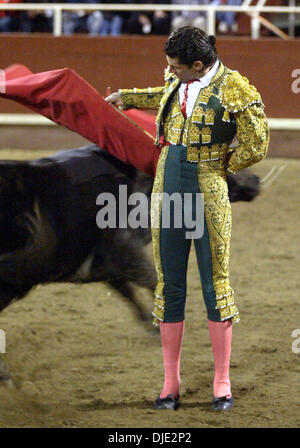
[[222, 404], [170, 402]]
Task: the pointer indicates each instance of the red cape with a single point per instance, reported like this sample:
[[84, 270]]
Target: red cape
[[67, 99]]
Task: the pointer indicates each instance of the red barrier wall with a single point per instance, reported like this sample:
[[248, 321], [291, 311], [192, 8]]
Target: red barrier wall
[[134, 61]]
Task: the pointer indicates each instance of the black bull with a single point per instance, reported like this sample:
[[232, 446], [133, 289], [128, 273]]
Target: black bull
[[48, 223]]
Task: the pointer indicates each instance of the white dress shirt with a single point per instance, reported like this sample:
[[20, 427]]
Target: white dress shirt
[[195, 87]]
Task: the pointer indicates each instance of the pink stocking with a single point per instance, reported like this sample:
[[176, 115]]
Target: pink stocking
[[171, 340], [220, 335]]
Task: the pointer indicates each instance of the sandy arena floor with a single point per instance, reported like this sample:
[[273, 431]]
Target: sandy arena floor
[[79, 357]]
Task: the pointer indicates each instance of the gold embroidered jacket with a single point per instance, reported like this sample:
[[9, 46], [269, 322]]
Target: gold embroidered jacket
[[228, 106]]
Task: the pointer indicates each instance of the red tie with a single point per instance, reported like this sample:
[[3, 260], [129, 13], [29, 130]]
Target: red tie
[[183, 105]]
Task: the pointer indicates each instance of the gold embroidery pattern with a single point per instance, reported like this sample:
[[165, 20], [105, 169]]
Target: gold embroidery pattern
[[205, 94], [193, 154], [156, 204], [169, 88], [185, 137], [206, 135], [205, 153], [198, 113], [174, 123], [253, 136], [142, 98], [236, 93], [193, 133], [226, 116], [217, 209], [210, 117]]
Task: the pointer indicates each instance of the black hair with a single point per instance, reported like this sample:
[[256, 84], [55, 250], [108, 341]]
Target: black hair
[[190, 44]]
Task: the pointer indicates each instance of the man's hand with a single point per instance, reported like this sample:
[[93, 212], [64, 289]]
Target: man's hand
[[113, 98]]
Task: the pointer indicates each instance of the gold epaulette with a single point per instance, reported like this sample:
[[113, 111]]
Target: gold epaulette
[[236, 93]]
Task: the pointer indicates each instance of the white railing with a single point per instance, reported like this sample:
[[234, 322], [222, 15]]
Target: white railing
[[252, 11], [278, 124]]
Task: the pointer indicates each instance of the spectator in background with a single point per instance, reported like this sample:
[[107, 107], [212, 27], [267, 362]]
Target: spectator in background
[[103, 23], [190, 18], [38, 20], [94, 22], [9, 20], [108, 23], [149, 22], [75, 21], [42, 20], [226, 19]]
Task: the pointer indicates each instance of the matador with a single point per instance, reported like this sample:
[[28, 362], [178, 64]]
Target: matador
[[203, 108]]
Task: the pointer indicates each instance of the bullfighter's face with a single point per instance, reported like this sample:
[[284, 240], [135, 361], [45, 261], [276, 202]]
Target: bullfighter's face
[[185, 72]]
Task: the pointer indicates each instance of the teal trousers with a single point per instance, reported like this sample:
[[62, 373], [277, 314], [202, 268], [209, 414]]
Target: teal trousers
[[181, 177]]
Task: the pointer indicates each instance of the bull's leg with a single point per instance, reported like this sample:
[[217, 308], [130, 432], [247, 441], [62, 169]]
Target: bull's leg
[[132, 261], [120, 261], [145, 275]]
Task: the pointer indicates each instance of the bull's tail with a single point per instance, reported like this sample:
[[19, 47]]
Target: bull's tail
[[29, 264]]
